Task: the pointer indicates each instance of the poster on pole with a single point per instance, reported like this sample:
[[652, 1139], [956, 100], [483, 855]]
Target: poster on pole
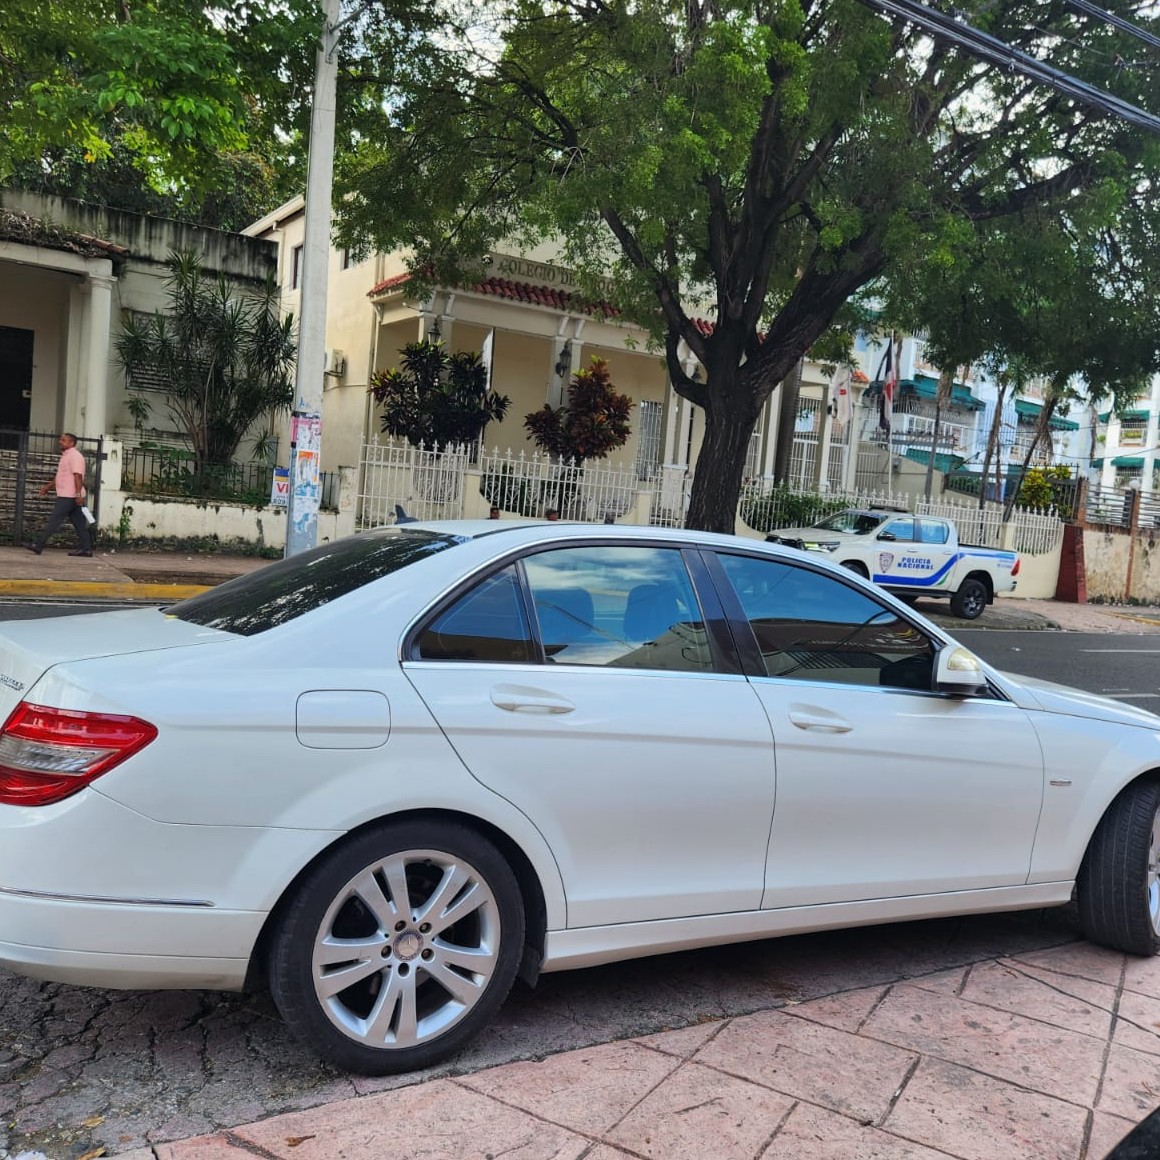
[[280, 487], [306, 434]]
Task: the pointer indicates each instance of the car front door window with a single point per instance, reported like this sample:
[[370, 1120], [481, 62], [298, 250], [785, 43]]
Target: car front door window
[[810, 626]]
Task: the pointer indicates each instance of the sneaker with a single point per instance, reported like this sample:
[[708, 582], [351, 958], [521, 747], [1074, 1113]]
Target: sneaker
[[34, 549], [78, 552]]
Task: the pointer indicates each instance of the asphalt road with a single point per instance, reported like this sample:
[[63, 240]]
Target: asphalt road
[[82, 1069], [1123, 666]]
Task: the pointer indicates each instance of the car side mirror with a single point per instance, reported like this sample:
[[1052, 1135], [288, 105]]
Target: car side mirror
[[887, 536], [957, 670]]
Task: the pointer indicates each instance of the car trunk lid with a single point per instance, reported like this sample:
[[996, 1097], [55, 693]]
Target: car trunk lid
[[29, 648]]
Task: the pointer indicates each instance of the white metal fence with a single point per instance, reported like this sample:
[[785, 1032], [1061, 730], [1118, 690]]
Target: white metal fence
[[430, 484], [1035, 532], [533, 485], [426, 484]]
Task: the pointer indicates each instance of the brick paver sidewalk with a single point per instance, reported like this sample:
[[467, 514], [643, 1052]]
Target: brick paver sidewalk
[[1050, 1056]]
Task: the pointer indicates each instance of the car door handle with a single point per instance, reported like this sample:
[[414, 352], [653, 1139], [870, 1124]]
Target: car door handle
[[818, 720], [522, 699]]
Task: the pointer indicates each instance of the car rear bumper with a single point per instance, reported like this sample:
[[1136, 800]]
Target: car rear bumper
[[93, 892], [127, 945]]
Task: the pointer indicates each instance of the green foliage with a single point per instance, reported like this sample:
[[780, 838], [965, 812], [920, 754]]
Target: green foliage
[[175, 473], [781, 506], [437, 399], [592, 423], [1040, 489], [191, 111], [225, 356], [754, 165]]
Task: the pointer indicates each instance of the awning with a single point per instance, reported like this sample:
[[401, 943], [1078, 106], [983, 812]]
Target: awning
[[1128, 461], [943, 460], [927, 388], [1137, 416], [1031, 410], [924, 388]]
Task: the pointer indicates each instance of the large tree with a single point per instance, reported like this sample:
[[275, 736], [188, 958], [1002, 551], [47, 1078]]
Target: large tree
[[1065, 296], [192, 110], [750, 164]]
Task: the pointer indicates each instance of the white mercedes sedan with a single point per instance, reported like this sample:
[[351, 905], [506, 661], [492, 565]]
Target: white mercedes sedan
[[391, 775]]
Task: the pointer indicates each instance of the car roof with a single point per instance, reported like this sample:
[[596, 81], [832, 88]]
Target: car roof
[[531, 529]]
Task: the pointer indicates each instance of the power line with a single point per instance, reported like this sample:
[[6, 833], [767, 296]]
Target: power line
[[990, 48], [1119, 22]]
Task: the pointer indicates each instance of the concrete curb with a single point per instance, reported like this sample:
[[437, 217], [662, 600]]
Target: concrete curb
[[99, 590]]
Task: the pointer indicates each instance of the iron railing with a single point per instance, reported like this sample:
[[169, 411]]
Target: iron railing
[[170, 471]]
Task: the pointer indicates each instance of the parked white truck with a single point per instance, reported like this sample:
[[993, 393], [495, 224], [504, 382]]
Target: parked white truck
[[910, 556]]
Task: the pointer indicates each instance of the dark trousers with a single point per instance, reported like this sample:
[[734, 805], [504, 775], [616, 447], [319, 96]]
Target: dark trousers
[[67, 508]]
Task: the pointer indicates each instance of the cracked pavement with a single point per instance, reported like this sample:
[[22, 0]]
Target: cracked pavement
[[83, 1070]]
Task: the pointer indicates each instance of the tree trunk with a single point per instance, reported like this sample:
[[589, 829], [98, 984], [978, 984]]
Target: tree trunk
[[945, 384], [992, 444], [1041, 427], [729, 423]]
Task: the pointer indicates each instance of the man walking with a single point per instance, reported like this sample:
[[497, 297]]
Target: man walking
[[70, 495]]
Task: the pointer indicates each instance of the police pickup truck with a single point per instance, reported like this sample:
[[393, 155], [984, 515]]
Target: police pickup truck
[[911, 556]]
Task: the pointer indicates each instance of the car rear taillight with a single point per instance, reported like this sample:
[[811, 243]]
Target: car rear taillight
[[1018, 561], [48, 754]]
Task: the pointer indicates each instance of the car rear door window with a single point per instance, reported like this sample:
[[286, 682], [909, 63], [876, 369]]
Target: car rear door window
[[625, 607], [810, 626], [486, 624]]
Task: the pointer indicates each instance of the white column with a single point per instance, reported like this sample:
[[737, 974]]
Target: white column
[[1151, 436], [96, 354], [566, 351], [71, 394], [772, 432], [853, 440], [825, 436]]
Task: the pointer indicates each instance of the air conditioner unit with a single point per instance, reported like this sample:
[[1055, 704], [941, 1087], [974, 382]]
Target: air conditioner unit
[[334, 363]]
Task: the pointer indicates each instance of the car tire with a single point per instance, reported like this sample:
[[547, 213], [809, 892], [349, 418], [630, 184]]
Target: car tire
[[1118, 890], [857, 567], [970, 600], [425, 974]]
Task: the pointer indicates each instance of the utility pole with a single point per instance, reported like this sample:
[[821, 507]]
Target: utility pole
[[306, 419]]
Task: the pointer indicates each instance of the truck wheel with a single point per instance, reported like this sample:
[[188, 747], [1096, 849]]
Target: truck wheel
[[856, 567], [970, 600], [1118, 889]]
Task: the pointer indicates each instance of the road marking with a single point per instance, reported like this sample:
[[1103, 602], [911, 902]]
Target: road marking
[[1137, 696], [1141, 652]]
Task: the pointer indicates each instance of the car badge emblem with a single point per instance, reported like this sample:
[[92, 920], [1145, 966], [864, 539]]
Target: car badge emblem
[[885, 559]]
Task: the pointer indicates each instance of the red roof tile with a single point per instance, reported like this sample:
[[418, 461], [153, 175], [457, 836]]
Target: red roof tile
[[389, 284], [860, 377], [526, 292]]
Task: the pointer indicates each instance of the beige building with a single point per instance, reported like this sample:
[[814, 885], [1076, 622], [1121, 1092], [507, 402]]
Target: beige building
[[541, 333], [68, 272]]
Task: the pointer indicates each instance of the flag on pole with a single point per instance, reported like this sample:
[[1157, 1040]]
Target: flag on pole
[[840, 393], [889, 374], [486, 356]]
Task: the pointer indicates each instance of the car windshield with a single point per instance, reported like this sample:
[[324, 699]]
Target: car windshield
[[851, 523], [271, 596]]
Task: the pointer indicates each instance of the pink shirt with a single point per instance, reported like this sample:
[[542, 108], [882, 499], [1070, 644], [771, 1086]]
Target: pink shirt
[[72, 463]]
